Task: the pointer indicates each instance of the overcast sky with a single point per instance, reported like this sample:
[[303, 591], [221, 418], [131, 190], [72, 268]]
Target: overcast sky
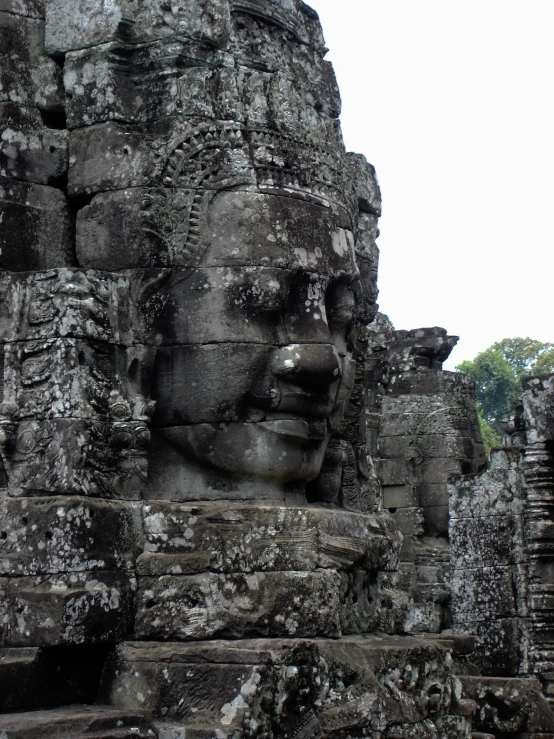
[[452, 103]]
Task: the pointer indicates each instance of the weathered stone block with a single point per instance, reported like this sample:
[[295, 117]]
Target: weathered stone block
[[51, 535], [432, 494], [424, 617], [395, 471], [485, 594], [507, 705], [538, 395], [161, 227], [181, 399], [399, 496], [406, 415], [137, 227], [63, 303], [28, 150], [36, 227], [114, 156], [28, 8], [486, 541], [364, 175], [64, 456], [130, 85], [238, 605], [73, 24], [4, 610], [360, 605], [454, 385], [186, 79], [498, 492], [407, 551], [439, 469], [188, 539], [61, 378], [419, 349], [109, 157], [80, 722], [430, 574], [76, 608], [409, 520], [229, 682], [249, 303], [435, 520], [430, 445], [27, 75]]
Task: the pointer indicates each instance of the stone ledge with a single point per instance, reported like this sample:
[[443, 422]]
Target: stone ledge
[[77, 722], [357, 683]]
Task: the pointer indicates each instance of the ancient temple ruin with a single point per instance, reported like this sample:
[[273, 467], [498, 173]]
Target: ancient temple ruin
[[235, 502]]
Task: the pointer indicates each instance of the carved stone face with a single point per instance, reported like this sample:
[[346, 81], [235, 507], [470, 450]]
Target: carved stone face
[[258, 339]]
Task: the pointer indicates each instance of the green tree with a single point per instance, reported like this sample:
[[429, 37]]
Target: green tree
[[490, 436], [497, 373]]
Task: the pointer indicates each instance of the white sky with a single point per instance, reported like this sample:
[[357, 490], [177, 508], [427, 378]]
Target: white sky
[[453, 103]]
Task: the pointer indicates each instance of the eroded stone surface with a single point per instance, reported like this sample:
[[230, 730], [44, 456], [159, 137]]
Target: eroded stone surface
[[239, 684], [188, 539], [28, 149], [76, 608], [236, 605], [203, 415]]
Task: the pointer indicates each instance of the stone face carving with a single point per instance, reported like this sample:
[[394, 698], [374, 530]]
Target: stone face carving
[[425, 430], [203, 417]]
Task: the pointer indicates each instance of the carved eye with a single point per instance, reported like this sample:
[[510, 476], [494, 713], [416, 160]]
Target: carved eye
[[265, 292]]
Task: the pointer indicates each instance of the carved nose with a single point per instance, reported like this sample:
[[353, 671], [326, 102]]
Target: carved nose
[[311, 366]]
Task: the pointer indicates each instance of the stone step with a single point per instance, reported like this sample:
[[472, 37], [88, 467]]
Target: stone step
[[214, 688], [77, 722]]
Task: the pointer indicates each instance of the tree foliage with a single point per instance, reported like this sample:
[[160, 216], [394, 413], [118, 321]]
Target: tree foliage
[[497, 373], [489, 434]]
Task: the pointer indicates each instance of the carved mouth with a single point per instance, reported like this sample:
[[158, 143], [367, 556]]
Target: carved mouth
[[300, 427], [308, 405]]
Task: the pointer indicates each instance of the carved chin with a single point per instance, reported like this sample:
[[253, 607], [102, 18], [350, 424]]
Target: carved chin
[[282, 450]]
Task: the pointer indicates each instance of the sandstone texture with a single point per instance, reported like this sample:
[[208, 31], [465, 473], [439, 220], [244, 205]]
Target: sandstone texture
[[224, 499]]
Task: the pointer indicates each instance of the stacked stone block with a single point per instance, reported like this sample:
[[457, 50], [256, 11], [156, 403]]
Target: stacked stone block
[[501, 537], [426, 431], [489, 563]]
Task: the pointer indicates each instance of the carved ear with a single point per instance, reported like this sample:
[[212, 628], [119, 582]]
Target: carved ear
[[140, 360]]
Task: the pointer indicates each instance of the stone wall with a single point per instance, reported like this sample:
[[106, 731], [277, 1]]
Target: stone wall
[[501, 539]]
